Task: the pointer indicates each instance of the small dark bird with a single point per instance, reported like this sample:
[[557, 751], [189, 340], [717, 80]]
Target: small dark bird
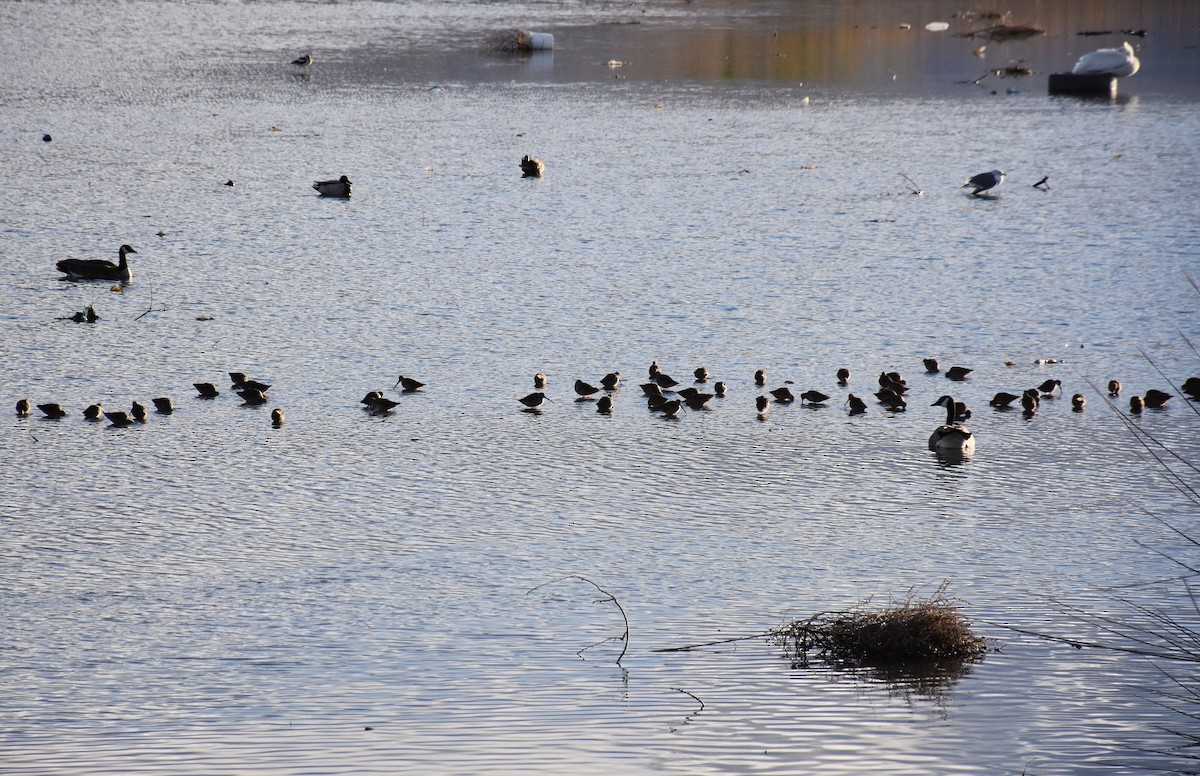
[[931, 365], [652, 390], [892, 400], [303, 61], [1029, 402], [22, 407], [98, 269], [277, 417], [813, 397], [760, 377], [763, 405], [984, 181], [1078, 401], [604, 405], [138, 412], [409, 385], [206, 390], [539, 380], [381, 405], [163, 405], [671, 408], [340, 188], [252, 396], [1042, 183], [119, 419], [1047, 388], [958, 373], [857, 405], [961, 412], [843, 376], [227, 183], [52, 410], [719, 389], [1136, 404], [371, 398], [584, 389], [655, 403], [533, 400], [665, 381], [1155, 398], [701, 374], [694, 399], [46, 138], [94, 411], [783, 395], [1003, 399], [611, 381], [237, 378], [1191, 385], [241, 382], [1114, 388], [654, 370], [531, 167]]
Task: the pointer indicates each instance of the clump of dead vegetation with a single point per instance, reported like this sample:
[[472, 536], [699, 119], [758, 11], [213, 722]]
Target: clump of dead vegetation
[[909, 631]]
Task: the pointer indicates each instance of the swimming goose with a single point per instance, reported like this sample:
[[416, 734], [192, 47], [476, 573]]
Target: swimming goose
[[338, 188], [98, 269], [984, 181], [409, 385], [1119, 62], [1155, 398], [22, 407], [949, 435], [532, 168], [52, 410]]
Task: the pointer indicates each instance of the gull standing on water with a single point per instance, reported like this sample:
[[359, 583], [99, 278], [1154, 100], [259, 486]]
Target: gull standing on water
[[984, 181]]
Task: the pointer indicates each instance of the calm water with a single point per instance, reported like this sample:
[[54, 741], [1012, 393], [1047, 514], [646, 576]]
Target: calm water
[[349, 594]]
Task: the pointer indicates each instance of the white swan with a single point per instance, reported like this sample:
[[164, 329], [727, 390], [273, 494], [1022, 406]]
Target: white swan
[[1119, 62], [949, 435]]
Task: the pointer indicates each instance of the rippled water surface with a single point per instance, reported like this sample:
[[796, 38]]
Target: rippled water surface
[[415, 593]]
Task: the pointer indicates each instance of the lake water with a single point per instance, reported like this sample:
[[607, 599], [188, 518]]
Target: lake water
[[349, 593]]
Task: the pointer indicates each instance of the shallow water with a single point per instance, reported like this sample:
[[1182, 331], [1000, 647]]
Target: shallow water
[[355, 594]]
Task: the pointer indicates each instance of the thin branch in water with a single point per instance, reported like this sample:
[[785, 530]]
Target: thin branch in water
[[608, 598], [690, 647], [693, 697], [915, 189]]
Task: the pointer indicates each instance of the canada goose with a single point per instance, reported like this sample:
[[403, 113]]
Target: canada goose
[[341, 188], [539, 380], [584, 390], [604, 405], [843, 376], [949, 435], [206, 390], [857, 405], [813, 397], [98, 269], [277, 417], [783, 395], [531, 167], [763, 405], [611, 381], [719, 389], [958, 373], [1078, 401], [652, 390], [408, 385], [1047, 388], [94, 411], [701, 374], [1119, 62], [303, 61], [119, 419], [1136, 404], [1114, 388], [984, 181], [533, 400], [22, 407], [138, 412], [1155, 398], [931, 365], [665, 381], [760, 377], [252, 396], [1003, 399], [163, 405], [52, 410]]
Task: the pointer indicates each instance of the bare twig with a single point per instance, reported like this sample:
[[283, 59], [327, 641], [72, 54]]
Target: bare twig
[[693, 697], [915, 189], [690, 647], [609, 598]]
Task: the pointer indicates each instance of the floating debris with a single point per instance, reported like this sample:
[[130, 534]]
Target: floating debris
[[1003, 32]]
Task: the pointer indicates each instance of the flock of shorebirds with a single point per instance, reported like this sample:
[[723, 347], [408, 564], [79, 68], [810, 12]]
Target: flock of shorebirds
[[667, 396]]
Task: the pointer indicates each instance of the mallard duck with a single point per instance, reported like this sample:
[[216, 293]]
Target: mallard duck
[[585, 390], [949, 435], [1119, 62], [338, 188], [98, 269], [1155, 398], [984, 181], [277, 417], [409, 385], [532, 168]]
